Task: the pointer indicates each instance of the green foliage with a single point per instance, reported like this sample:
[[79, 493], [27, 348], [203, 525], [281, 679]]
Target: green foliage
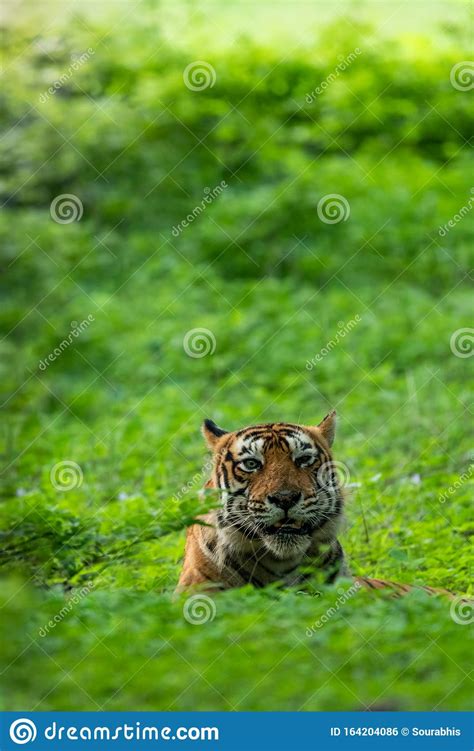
[[274, 284], [263, 650]]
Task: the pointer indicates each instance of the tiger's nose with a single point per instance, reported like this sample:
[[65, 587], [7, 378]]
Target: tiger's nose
[[285, 499]]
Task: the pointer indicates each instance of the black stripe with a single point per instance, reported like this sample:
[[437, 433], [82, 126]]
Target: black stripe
[[257, 431], [372, 586], [283, 444], [332, 556], [333, 561], [226, 475], [211, 544], [230, 502]]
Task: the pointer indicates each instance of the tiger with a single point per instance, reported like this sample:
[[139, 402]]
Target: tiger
[[281, 510]]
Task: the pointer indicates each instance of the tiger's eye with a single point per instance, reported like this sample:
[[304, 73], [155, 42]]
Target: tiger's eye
[[251, 464]]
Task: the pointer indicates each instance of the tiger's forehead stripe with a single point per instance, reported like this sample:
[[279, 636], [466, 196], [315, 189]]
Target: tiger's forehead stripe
[[288, 438], [268, 427], [246, 445]]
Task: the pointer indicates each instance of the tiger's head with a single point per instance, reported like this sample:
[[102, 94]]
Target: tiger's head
[[277, 482]]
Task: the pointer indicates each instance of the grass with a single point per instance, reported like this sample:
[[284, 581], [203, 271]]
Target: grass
[[274, 285]]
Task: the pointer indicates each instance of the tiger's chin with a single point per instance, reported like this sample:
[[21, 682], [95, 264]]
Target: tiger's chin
[[287, 543]]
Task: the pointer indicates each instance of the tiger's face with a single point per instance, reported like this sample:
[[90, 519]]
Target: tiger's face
[[277, 482]]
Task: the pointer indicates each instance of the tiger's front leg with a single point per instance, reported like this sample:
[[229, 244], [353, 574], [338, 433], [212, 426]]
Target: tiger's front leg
[[199, 571]]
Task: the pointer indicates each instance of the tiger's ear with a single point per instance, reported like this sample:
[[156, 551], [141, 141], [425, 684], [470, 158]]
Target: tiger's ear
[[211, 433], [328, 427]]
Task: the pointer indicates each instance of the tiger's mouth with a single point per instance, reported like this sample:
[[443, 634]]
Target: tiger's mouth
[[288, 527]]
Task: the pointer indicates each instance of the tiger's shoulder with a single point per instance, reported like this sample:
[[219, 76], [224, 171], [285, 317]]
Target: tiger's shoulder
[[199, 567]]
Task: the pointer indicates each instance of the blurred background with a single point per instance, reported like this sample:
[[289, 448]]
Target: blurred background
[[248, 214]]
